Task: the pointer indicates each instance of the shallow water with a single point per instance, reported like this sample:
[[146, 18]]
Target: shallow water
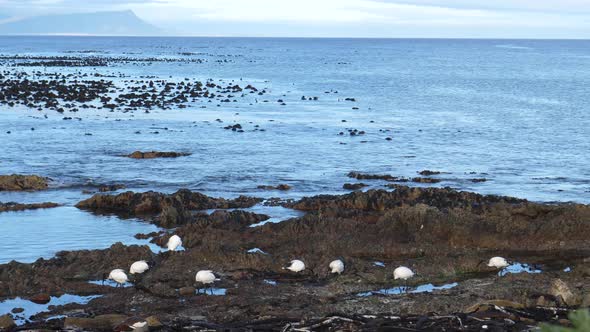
[[33, 308], [427, 288], [517, 268], [29, 235], [513, 112], [212, 291], [110, 283]]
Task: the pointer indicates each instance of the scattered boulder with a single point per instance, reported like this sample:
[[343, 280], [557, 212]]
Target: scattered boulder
[[354, 186], [187, 291], [112, 187], [425, 180], [16, 182], [41, 299], [6, 322], [282, 187]]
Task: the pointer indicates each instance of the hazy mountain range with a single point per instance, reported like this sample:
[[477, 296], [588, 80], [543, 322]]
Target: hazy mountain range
[[113, 23]]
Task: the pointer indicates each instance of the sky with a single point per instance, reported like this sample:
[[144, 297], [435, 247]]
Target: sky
[[339, 18]]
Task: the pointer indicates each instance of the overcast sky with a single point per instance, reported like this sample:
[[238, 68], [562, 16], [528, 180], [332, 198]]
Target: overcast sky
[[341, 18]]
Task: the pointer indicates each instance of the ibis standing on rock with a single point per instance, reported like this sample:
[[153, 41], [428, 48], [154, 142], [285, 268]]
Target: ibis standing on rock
[[139, 267], [174, 242], [295, 265], [403, 273], [498, 262], [337, 266], [119, 276], [206, 277]]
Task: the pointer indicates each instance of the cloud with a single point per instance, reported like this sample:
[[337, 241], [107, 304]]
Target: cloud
[[387, 18]]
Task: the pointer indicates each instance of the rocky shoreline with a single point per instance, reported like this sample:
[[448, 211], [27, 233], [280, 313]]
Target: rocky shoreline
[[442, 234]]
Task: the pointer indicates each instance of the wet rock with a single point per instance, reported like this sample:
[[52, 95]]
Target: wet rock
[[17, 182], [561, 290], [6, 322], [113, 187], [363, 176], [165, 210], [153, 322], [156, 154], [354, 186], [41, 299], [187, 291], [4, 207], [425, 180], [282, 187], [429, 173], [102, 322], [17, 310]]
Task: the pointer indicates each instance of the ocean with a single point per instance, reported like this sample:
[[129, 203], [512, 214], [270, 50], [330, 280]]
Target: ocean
[[512, 112]]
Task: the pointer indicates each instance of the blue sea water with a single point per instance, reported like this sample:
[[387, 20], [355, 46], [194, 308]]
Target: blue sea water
[[515, 112]]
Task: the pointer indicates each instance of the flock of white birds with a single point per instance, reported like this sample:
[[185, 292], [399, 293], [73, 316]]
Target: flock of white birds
[[207, 277]]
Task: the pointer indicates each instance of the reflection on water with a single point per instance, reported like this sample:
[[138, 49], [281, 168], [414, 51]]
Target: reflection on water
[[31, 308], [257, 251], [427, 288], [277, 214], [110, 283], [29, 235], [212, 291], [516, 268]]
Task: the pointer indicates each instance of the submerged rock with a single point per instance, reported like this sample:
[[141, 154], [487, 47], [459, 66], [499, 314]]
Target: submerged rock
[[354, 186], [16, 182], [156, 154], [283, 187]]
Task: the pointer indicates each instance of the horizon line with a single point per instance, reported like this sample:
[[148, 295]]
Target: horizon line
[[283, 37]]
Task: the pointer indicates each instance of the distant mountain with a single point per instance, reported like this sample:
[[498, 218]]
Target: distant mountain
[[119, 23]]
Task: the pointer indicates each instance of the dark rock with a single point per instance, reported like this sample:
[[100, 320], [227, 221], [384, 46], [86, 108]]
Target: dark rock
[[156, 154], [41, 299], [187, 291], [166, 210], [426, 180], [354, 186], [429, 173], [282, 187], [6, 322], [4, 207], [17, 182]]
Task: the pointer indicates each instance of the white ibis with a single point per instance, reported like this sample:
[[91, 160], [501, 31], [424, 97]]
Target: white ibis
[[498, 262], [139, 267], [119, 276], [174, 242], [402, 273], [295, 265], [337, 266], [206, 277]]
